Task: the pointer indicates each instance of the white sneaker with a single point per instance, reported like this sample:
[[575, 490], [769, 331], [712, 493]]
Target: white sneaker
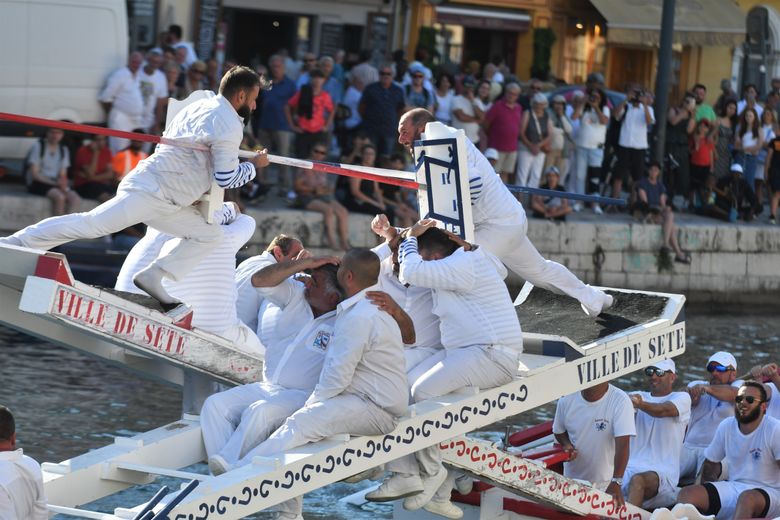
[[149, 280], [606, 303], [430, 486], [464, 484], [369, 474], [577, 207], [597, 209], [397, 486], [218, 465], [446, 509]]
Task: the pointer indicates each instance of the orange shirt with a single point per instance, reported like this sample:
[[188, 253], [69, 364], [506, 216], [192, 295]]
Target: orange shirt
[[126, 160]]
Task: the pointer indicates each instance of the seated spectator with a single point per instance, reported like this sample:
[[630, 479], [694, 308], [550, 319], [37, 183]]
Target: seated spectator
[[313, 192], [749, 443], [362, 195], [94, 176], [661, 418], [653, 206], [553, 208], [46, 174], [125, 160], [310, 114], [395, 197], [705, 198], [711, 402], [735, 197]]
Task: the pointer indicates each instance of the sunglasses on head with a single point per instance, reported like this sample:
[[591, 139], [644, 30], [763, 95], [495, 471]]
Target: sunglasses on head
[[715, 367], [749, 399], [649, 371]]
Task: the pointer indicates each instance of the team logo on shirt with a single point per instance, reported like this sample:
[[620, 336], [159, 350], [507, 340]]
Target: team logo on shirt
[[322, 340], [601, 424], [755, 453]]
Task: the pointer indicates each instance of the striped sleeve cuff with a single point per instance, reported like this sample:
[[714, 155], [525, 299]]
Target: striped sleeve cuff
[[407, 247], [244, 173], [475, 189]]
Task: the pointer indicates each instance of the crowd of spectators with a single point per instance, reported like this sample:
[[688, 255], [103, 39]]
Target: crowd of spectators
[[721, 162]]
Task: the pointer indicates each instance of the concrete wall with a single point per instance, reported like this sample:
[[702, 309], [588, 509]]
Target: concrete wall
[[729, 261]]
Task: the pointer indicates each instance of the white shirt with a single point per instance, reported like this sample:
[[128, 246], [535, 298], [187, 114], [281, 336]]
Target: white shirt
[[706, 416], [592, 428], [365, 357], [182, 175], [659, 440], [21, 488], [209, 288], [123, 91], [352, 100], [249, 298], [773, 407], [742, 104], [591, 133], [417, 302], [752, 459], [471, 128], [153, 88], [633, 133], [469, 296], [444, 106], [491, 201]]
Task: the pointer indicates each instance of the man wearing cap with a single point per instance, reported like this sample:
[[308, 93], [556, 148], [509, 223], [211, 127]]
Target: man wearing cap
[[549, 207], [500, 224], [749, 443], [491, 154], [711, 402], [661, 418], [466, 113], [735, 197]]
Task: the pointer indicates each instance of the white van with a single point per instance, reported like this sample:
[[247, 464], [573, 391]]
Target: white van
[[55, 56]]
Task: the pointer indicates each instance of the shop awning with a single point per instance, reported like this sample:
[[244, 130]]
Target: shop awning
[[483, 18], [697, 23]]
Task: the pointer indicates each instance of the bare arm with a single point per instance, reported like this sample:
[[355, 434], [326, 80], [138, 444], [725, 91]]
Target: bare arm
[[664, 409], [274, 274], [710, 471]]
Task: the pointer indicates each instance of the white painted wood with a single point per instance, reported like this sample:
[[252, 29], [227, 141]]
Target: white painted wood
[[115, 471], [81, 513], [530, 479]]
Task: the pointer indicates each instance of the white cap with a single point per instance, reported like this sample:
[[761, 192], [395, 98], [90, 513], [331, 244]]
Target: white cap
[[539, 99], [723, 358], [491, 153], [736, 167], [666, 364]]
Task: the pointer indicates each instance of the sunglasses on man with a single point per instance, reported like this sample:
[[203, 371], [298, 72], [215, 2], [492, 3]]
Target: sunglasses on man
[[649, 371], [749, 399], [716, 367]]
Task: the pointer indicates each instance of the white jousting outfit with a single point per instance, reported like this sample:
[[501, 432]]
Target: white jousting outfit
[[249, 297], [21, 488], [500, 226], [160, 191]]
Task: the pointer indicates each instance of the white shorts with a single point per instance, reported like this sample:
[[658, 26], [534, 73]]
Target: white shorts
[[691, 460], [506, 162], [729, 491], [667, 487]]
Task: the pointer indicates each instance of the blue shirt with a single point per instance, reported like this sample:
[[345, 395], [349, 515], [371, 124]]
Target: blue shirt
[[274, 101], [381, 108], [654, 191]]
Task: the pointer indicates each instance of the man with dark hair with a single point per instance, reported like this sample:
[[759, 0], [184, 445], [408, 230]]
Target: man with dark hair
[[175, 36], [21, 482], [749, 443], [362, 389], [161, 190], [500, 224], [249, 300], [703, 110], [481, 336]]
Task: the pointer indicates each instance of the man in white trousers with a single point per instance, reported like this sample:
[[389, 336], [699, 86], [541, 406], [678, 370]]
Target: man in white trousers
[[208, 289], [21, 483], [362, 389], [123, 100], [237, 420], [482, 341], [500, 224], [160, 191], [281, 248]]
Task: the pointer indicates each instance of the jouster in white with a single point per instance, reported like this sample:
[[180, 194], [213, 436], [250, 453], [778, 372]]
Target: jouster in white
[[160, 191], [500, 224]]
